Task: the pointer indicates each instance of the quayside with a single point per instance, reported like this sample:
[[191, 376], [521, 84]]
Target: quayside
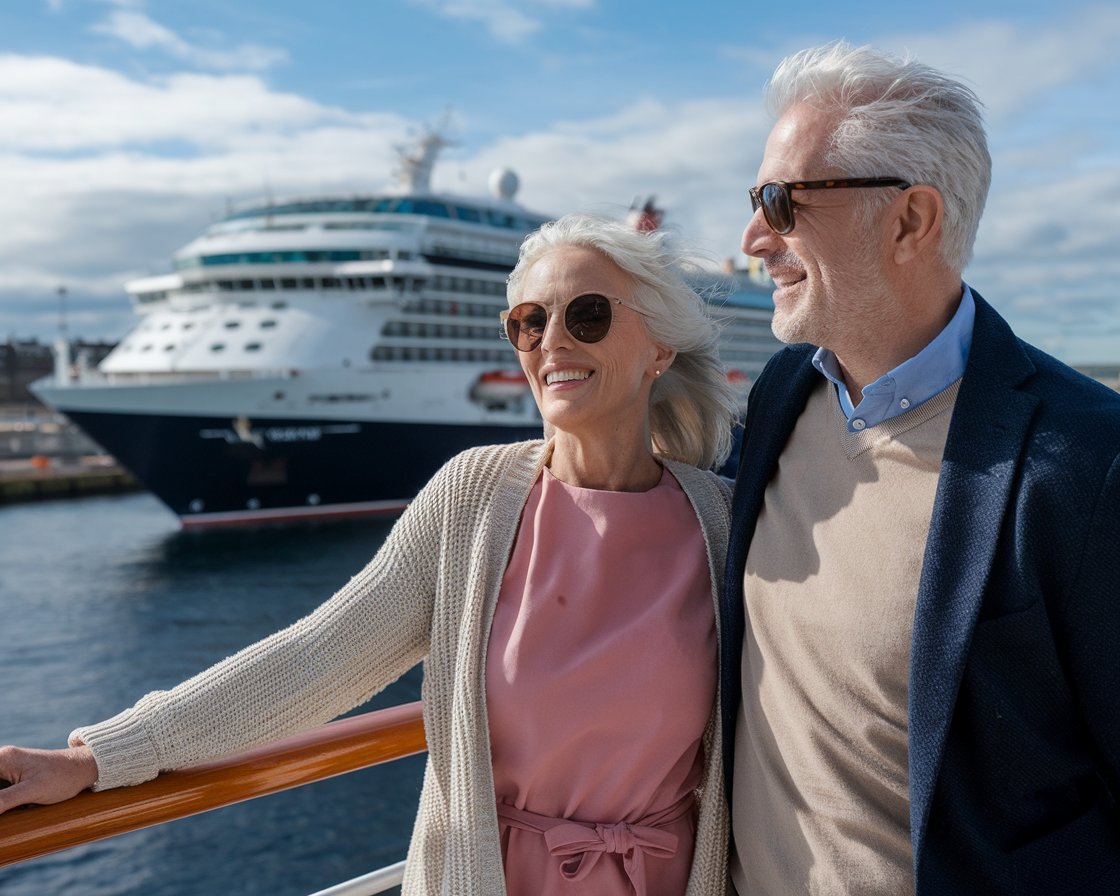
[[342, 746]]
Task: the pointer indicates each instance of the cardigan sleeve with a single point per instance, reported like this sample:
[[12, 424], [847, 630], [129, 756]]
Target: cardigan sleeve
[[373, 630]]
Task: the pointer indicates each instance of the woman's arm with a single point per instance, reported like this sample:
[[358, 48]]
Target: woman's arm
[[44, 776], [370, 632], [364, 637]]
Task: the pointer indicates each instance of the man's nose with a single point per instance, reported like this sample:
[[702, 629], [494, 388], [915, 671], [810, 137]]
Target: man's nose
[[758, 239]]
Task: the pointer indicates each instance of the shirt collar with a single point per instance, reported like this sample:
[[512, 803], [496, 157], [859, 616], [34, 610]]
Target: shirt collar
[[915, 380]]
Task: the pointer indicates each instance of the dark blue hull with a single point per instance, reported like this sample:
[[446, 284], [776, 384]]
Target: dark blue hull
[[213, 471]]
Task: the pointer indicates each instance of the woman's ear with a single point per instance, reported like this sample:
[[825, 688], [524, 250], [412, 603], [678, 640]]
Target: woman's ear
[[662, 360]]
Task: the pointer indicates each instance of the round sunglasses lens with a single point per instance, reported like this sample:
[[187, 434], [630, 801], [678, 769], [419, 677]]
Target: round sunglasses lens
[[525, 325], [776, 208], [588, 318]]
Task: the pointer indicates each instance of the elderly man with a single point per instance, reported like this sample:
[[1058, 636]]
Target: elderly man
[[922, 609]]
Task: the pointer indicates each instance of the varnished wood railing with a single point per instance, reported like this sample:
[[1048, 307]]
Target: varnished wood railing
[[343, 746]]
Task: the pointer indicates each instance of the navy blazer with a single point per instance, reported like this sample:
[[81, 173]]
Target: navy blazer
[[1014, 701]]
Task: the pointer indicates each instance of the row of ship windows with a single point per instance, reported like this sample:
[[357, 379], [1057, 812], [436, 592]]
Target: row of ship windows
[[393, 328], [215, 347], [380, 352], [294, 256], [468, 285], [424, 353], [452, 308], [266, 324], [398, 205], [321, 256], [398, 284], [439, 331]]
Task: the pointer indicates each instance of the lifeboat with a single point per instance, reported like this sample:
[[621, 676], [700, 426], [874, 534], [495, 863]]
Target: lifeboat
[[741, 383], [496, 388]]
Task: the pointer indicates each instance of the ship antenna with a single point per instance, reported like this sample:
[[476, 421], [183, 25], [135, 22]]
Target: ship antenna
[[417, 160]]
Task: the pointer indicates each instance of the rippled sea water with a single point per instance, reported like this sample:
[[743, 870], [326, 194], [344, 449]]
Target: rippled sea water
[[104, 599]]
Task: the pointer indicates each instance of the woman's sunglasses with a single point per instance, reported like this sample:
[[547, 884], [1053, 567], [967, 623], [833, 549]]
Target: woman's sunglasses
[[777, 204], [587, 317]]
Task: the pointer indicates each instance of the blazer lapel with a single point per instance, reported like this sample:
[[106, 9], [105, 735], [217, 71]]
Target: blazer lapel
[[982, 455]]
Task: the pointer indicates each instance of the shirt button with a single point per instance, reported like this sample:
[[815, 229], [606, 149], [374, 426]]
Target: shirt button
[[859, 424], [904, 404]]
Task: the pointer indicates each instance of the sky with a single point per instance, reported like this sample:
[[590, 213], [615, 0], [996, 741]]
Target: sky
[[127, 126]]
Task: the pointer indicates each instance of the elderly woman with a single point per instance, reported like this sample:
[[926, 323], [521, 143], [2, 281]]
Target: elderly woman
[[562, 594]]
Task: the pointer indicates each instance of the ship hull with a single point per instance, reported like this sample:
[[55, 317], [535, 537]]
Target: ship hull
[[213, 471]]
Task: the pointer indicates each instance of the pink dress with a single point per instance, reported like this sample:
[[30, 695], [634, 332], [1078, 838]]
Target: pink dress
[[600, 679]]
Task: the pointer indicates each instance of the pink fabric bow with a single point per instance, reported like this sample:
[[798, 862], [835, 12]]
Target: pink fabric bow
[[579, 845], [585, 844]]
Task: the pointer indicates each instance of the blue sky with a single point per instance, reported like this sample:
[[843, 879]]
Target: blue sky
[[126, 126]]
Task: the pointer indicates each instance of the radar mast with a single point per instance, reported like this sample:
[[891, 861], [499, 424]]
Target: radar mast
[[416, 160]]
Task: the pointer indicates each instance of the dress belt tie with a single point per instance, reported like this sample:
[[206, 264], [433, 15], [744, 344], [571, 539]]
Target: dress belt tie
[[581, 844]]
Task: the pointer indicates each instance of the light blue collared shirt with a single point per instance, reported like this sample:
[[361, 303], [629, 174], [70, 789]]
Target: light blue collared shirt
[[918, 379]]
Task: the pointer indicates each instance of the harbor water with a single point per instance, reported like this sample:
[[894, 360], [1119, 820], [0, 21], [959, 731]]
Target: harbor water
[[104, 599]]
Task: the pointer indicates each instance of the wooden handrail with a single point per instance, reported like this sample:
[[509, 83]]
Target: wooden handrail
[[338, 747]]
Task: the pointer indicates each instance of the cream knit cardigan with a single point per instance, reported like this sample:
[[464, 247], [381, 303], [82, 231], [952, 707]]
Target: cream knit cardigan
[[429, 593]]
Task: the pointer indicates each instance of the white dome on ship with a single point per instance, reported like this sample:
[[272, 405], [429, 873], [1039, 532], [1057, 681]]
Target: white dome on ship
[[504, 183]]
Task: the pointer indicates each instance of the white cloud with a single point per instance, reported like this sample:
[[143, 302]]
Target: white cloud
[[58, 105], [135, 28], [506, 20], [104, 176], [1011, 64]]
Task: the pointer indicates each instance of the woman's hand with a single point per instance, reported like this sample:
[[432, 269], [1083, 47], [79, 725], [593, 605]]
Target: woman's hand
[[44, 776]]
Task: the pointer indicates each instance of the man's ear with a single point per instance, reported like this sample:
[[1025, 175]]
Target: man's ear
[[915, 225]]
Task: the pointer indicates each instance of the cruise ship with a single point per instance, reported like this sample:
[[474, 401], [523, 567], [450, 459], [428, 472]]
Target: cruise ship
[[323, 356]]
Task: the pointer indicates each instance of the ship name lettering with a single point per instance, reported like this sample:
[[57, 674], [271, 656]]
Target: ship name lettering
[[294, 434]]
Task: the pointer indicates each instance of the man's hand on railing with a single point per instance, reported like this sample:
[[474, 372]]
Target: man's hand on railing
[[44, 776]]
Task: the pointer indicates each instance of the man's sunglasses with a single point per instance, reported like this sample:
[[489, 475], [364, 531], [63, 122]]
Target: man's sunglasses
[[777, 204], [587, 317]]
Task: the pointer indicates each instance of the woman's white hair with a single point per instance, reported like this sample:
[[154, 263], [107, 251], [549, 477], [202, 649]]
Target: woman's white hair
[[692, 405], [897, 118]]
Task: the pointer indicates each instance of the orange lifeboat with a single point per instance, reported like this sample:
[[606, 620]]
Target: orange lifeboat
[[741, 383], [497, 387]]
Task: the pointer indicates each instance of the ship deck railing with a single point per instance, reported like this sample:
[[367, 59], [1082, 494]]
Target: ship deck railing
[[336, 748]]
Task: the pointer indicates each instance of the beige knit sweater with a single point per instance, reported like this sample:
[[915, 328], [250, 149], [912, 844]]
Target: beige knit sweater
[[429, 593]]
